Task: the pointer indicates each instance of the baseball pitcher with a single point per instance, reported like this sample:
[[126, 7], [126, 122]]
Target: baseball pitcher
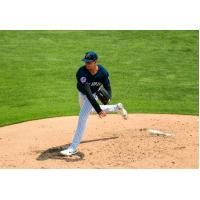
[[93, 84]]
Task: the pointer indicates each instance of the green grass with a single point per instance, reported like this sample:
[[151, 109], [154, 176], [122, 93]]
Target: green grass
[[150, 71]]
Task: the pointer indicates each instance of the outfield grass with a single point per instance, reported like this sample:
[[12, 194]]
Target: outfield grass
[[150, 71]]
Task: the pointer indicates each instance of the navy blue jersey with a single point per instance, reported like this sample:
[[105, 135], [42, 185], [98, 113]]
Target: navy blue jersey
[[94, 81], [88, 84]]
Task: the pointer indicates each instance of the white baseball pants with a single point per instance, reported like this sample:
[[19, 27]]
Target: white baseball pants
[[85, 109]]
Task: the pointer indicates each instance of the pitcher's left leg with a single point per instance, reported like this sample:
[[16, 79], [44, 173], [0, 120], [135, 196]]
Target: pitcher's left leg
[[83, 116]]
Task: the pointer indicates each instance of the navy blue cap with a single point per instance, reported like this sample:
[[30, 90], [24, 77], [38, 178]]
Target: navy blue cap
[[90, 56]]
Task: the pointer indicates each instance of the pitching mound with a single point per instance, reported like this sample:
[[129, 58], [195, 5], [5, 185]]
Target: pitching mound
[[107, 143]]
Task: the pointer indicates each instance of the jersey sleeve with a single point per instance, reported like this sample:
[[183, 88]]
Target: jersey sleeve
[[106, 83], [84, 85]]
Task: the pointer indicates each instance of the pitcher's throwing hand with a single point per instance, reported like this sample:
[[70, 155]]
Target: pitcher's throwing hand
[[102, 114]]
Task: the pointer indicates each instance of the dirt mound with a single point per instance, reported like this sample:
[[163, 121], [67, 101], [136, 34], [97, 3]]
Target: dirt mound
[[107, 143]]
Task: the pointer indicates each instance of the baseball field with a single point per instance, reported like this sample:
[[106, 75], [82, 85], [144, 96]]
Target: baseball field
[[153, 73]]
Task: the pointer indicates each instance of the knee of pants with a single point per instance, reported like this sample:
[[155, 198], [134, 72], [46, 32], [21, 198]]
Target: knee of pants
[[84, 114], [85, 111]]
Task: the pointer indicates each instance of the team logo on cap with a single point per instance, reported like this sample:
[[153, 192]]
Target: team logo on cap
[[83, 79], [88, 56]]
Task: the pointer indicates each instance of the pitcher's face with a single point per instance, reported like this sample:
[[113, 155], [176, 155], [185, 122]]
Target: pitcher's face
[[90, 65]]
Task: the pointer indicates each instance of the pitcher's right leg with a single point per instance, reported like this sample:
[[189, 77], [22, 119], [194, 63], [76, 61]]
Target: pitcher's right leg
[[116, 108]]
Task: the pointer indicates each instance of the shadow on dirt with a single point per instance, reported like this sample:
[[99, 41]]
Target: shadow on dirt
[[54, 152]]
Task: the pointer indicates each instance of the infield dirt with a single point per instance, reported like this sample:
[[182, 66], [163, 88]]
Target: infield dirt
[[110, 142]]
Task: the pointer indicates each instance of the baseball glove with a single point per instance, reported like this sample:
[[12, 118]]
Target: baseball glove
[[103, 95]]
